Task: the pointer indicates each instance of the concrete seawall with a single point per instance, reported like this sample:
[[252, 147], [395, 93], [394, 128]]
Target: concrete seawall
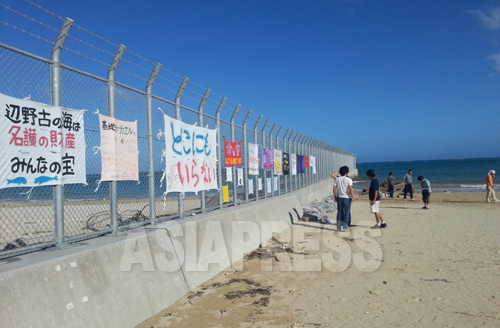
[[121, 280]]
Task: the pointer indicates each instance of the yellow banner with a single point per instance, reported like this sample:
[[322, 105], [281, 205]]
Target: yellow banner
[[225, 194]]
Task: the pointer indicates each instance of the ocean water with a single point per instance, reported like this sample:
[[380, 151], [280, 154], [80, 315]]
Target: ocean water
[[91, 191], [455, 175]]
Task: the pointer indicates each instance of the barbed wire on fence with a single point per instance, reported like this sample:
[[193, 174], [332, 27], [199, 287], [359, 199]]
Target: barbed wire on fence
[[26, 32], [227, 110], [43, 9]]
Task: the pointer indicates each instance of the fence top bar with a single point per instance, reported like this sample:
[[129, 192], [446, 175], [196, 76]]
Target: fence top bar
[[258, 121], [116, 60], [245, 121], [236, 110], [265, 126], [204, 99], [61, 38], [272, 129], [182, 87], [286, 133], [22, 52], [221, 105], [279, 131], [152, 78]]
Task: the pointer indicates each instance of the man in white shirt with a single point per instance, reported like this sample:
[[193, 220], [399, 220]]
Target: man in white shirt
[[344, 195]]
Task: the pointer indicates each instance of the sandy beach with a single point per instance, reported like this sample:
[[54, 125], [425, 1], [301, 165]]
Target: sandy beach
[[435, 268]]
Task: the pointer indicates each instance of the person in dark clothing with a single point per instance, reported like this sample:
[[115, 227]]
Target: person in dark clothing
[[391, 181], [374, 196], [408, 180]]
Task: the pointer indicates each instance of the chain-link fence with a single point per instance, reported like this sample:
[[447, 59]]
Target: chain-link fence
[[31, 219]]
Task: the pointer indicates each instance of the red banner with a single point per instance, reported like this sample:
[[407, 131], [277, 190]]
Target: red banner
[[232, 153], [306, 161]]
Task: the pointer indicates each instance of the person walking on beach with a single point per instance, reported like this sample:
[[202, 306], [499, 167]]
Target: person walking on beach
[[490, 191], [344, 194], [391, 181], [408, 180], [426, 191], [374, 196]]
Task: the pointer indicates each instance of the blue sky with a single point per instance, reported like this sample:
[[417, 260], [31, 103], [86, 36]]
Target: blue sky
[[388, 80]]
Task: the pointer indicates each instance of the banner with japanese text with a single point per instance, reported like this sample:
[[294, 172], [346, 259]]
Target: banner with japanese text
[[293, 163], [300, 164], [286, 164], [277, 162], [312, 161], [41, 144], [267, 159], [232, 153], [119, 153], [191, 159], [253, 159]]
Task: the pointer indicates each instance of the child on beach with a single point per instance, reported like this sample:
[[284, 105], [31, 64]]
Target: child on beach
[[374, 196], [426, 191]]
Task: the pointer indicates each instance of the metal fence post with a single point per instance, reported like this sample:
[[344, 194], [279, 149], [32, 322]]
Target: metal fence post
[[296, 170], [316, 154], [290, 142], [149, 129], [113, 185], [272, 149], [178, 96], [256, 140], [309, 169], [304, 151], [200, 122], [245, 155], [55, 72], [235, 178], [285, 149], [327, 169], [281, 159], [301, 150], [219, 156], [264, 182]]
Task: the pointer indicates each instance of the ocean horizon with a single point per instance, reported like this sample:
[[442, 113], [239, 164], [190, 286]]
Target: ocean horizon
[[453, 175]]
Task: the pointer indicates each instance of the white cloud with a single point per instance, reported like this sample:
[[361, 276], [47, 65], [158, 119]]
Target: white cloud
[[496, 60], [489, 17]]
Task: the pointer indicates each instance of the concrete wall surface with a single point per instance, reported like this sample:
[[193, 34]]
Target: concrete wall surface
[[121, 280]]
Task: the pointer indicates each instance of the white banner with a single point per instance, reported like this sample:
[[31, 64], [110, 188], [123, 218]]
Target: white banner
[[191, 160], [275, 188], [119, 154], [268, 185], [277, 162], [239, 174], [293, 163], [312, 163], [253, 159], [259, 184], [41, 144], [229, 174], [250, 186]]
